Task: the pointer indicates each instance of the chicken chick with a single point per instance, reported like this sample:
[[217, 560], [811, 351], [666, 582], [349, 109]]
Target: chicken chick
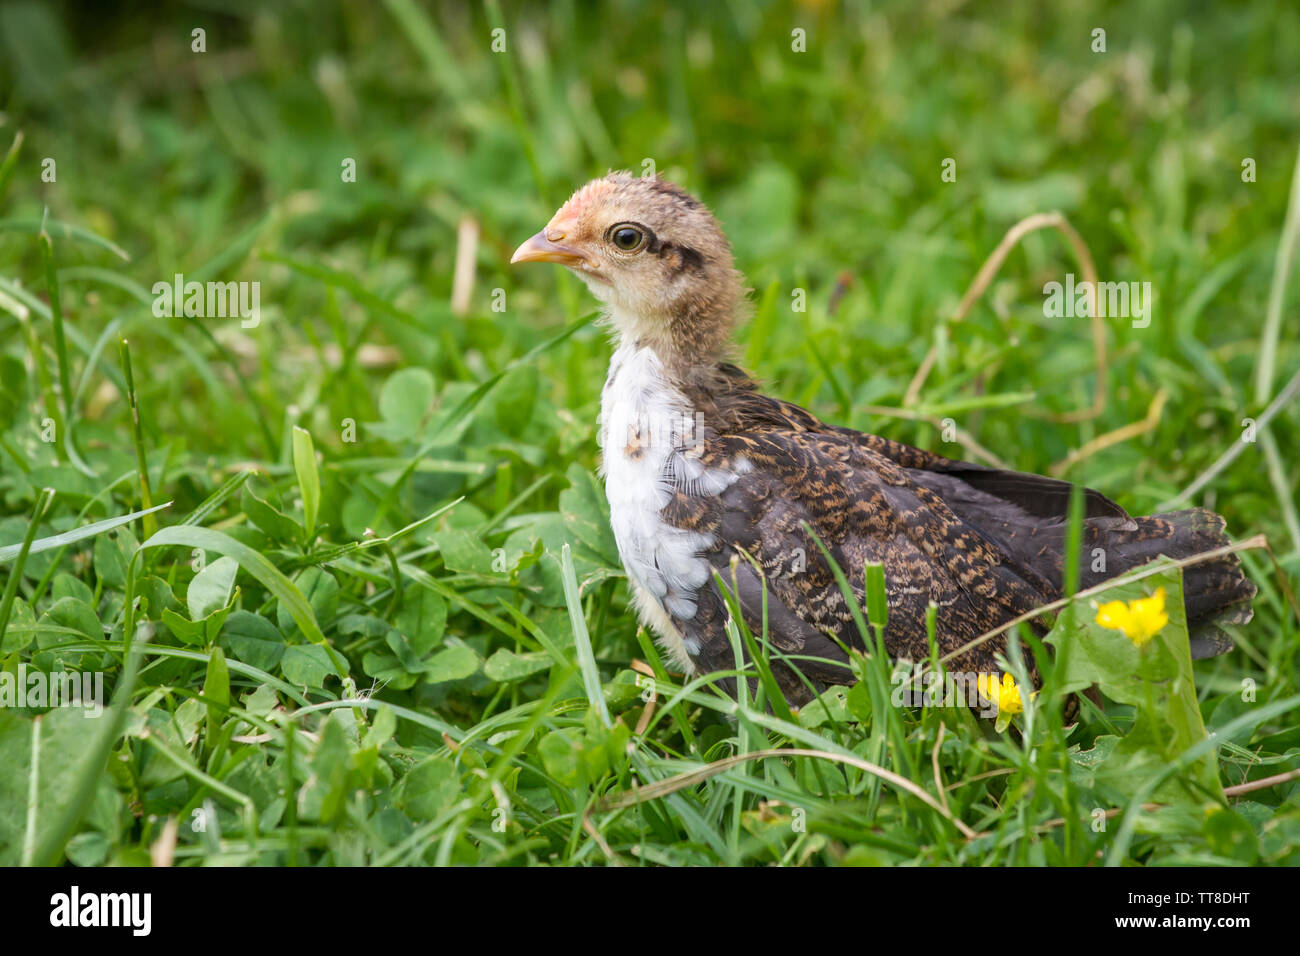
[[700, 466]]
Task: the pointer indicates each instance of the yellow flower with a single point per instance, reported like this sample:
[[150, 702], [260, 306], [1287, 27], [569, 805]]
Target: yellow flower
[[1006, 695], [1140, 620]]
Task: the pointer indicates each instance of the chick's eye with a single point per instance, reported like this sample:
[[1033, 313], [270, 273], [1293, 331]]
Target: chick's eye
[[627, 238]]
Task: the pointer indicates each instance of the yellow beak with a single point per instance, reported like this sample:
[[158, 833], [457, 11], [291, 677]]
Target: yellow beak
[[540, 249]]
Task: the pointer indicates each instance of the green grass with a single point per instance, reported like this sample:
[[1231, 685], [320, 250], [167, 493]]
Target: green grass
[[379, 617]]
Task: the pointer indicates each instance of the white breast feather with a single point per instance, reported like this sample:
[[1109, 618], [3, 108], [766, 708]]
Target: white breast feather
[[647, 429]]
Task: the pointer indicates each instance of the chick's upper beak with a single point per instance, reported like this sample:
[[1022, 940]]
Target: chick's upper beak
[[541, 249]]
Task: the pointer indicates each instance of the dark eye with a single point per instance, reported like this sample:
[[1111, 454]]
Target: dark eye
[[627, 238]]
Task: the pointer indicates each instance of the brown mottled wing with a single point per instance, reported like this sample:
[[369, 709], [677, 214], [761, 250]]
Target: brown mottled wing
[[1025, 517], [985, 544], [740, 408], [865, 508]]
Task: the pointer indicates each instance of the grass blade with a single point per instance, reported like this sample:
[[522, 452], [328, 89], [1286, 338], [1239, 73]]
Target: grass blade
[[11, 587], [148, 523], [10, 160], [581, 639], [304, 463], [9, 552]]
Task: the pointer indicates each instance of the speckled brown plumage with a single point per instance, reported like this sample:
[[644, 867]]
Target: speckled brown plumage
[[747, 476], [985, 545]]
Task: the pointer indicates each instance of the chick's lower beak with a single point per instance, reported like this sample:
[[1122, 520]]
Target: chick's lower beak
[[541, 249]]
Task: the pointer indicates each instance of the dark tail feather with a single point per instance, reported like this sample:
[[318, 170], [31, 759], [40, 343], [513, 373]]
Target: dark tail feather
[[1215, 593], [1024, 516]]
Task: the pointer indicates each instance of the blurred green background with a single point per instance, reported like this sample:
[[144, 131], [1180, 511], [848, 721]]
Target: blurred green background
[[817, 162]]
